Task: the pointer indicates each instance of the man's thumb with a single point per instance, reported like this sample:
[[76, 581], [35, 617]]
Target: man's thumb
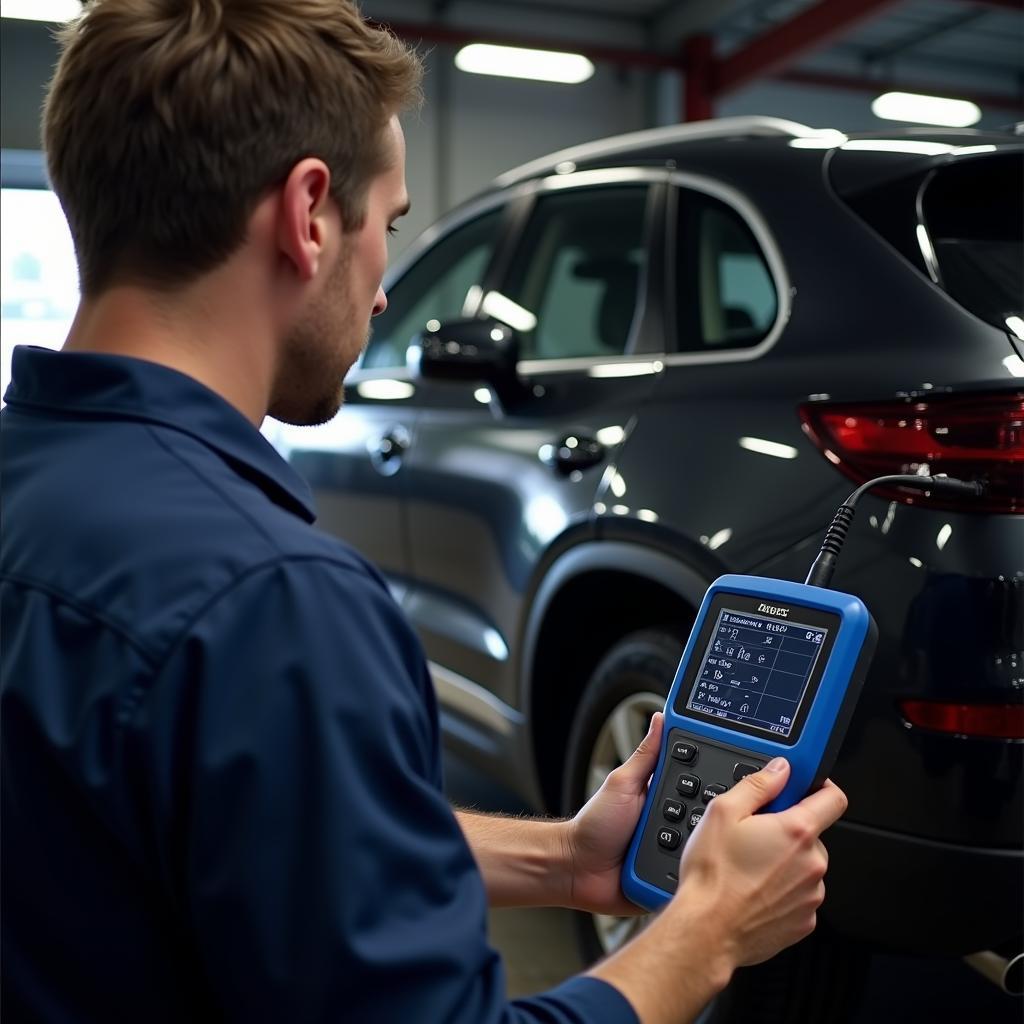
[[640, 765], [755, 790]]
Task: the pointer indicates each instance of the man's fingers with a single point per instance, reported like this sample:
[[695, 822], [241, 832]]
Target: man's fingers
[[640, 765], [754, 791], [824, 807]]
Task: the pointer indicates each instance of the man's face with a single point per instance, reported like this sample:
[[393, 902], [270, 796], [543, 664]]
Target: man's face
[[333, 330]]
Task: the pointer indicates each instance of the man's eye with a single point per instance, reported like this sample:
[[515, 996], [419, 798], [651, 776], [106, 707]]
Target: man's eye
[[392, 230]]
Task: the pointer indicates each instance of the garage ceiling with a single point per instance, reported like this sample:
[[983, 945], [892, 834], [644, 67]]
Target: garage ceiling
[[963, 45]]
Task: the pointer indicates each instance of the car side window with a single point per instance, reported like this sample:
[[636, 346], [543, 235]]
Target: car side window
[[433, 288], [574, 281], [726, 295]]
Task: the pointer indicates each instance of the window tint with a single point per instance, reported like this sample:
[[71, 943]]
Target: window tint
[[576, 276], [726, 296], [434, 288], [974, 213]]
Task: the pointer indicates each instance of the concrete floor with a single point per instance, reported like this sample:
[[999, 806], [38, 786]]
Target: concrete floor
[[540, 951]]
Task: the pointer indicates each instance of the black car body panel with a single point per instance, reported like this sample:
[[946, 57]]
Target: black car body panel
[[519, 571]]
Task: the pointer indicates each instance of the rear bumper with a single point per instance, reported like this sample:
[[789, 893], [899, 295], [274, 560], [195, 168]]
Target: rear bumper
[[916, 895]]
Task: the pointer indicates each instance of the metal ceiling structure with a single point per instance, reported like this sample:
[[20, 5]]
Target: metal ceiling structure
[[720, 46]]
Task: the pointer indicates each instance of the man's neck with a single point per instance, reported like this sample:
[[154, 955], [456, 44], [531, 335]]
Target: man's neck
[[227, 349]]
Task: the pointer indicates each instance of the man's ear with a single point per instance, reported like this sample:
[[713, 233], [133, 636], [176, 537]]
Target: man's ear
[[303, 216]]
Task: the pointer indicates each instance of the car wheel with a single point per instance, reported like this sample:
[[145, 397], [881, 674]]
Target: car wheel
[[629, 684], [819, 979]]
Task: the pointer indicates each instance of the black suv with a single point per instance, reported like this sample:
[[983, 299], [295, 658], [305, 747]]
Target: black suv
[[647, 361]]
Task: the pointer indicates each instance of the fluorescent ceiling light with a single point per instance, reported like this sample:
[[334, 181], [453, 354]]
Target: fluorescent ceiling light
[[514, 62], [40, 10], [917, 109]]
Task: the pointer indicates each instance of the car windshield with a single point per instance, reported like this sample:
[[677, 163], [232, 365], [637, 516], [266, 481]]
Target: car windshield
[[973, 214]]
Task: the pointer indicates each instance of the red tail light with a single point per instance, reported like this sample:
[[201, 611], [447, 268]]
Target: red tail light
[[972, 437], [996, 721]]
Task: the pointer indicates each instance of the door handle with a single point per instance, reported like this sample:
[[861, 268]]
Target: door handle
[[572, 452], [386, 452]]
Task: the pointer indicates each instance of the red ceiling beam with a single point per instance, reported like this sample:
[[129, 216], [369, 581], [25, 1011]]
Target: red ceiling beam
[[780, 47], [985, 100]]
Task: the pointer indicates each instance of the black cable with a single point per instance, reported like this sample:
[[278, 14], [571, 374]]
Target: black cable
[[820, 574]]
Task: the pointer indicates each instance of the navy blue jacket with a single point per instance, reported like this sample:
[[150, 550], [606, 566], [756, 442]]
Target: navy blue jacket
[[220, 771]]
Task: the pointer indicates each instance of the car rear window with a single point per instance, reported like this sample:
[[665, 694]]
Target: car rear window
[[973, 214], [961, 223]]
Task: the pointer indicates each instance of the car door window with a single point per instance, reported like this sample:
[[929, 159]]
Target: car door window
[[434, 288], [726, 295], [574, 282]]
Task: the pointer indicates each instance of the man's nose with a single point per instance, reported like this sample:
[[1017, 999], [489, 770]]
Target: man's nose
[[380, 302]]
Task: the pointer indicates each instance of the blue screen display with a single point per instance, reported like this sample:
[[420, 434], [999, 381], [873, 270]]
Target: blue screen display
[[756, 670]]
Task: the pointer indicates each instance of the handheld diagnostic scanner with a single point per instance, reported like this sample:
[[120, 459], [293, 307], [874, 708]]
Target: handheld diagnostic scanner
[[771, 668]]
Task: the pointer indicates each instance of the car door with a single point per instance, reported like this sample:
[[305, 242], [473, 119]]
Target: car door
[[354, 462], [491, 489]]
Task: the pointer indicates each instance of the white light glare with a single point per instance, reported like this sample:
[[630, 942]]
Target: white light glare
[[827, 138], [918, 109], [515, 62], [913, 147], [1016, 324], [716, 540], [1015, 365], [611, 435], [482, 395], [763, 447], [943, 537], [385, 390], [504, 309], [625, 369], [40, 10]]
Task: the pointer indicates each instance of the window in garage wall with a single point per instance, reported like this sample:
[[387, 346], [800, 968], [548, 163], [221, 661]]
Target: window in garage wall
[[38, 273]]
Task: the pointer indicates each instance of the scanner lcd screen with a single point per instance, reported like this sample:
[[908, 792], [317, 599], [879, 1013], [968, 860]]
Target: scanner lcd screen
[[756, 670]]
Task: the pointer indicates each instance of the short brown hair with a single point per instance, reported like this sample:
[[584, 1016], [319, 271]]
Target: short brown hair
[[167, 120]]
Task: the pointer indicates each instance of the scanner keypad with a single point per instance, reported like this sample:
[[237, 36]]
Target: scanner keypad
[[712, 768]]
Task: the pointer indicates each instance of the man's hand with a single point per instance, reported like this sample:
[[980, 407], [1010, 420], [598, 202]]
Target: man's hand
[[598, 837], [750, 885], [760, 874]]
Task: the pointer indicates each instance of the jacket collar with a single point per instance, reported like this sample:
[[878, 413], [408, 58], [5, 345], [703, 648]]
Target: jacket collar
[[121, 387]]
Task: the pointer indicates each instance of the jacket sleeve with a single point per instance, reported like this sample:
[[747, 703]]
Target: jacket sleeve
[[301, 822]]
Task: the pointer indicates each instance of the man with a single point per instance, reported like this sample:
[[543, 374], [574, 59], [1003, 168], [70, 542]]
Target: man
[[221, 769]]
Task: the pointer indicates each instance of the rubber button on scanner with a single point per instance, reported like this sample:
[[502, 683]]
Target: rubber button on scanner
[[741, 771], [711, 790], [695, 815], [685, 752], [688, 785], [668, 838], [673, 810]]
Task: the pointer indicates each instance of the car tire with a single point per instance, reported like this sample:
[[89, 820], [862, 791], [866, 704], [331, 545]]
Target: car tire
[[821, 978], [629, 684]]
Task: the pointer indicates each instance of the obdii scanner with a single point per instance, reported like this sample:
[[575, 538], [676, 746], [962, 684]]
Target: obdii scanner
[[771, 668]]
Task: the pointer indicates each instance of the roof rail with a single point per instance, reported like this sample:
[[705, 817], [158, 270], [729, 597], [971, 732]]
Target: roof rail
[[722, 127]]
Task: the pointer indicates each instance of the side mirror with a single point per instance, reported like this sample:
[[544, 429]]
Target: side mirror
[[471, 350]]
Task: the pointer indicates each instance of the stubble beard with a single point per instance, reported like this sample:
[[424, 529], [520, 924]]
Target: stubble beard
[[318, 353]]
